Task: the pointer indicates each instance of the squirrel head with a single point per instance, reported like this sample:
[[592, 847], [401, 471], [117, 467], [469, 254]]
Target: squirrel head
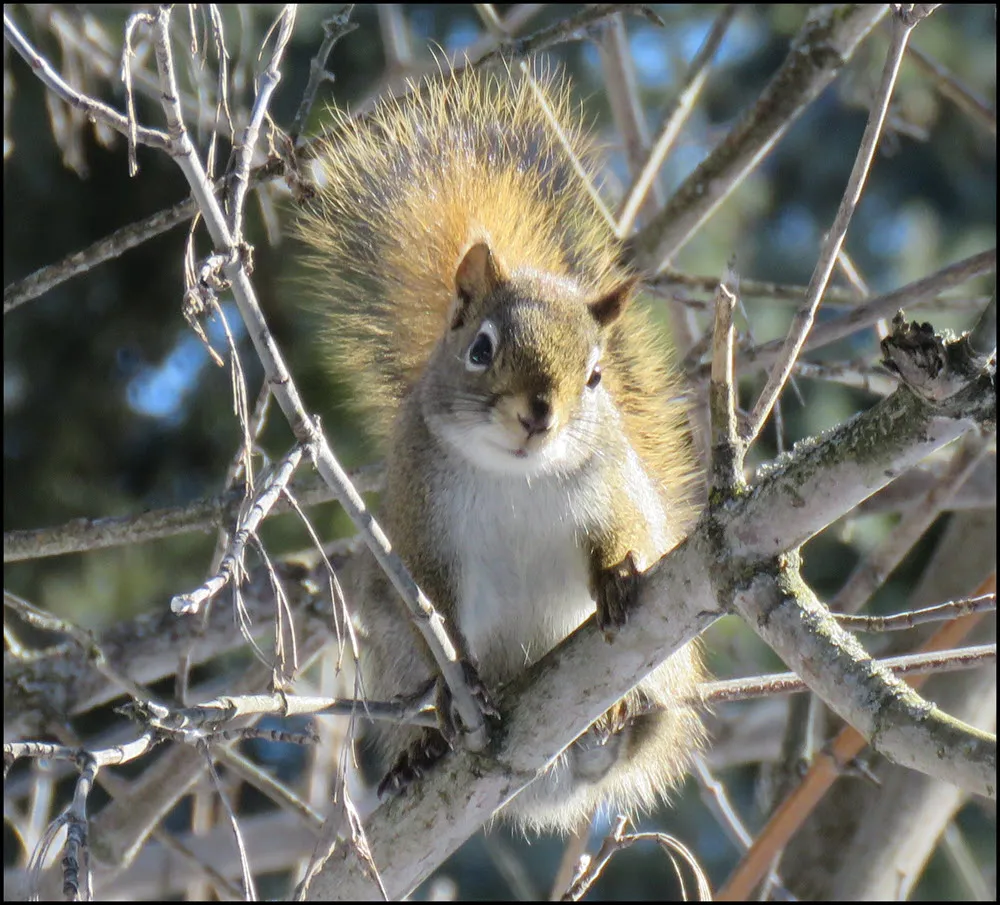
[[515, 384]]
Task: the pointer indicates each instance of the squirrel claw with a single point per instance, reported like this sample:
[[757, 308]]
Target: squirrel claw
[[479, 690], [617, 590], [413, 763], [449, 721]]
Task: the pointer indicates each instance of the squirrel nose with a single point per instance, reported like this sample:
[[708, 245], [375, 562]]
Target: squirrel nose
[[539, 418]]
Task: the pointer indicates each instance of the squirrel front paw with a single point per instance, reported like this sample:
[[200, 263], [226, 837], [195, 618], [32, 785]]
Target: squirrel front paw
[[617, 589]]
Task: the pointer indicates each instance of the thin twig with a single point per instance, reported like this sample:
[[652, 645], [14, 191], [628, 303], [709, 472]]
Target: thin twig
[[186, 604], [249, 887], [919, 292], [676, 117], [569, 29], [727, 449], [963, 97], [835, 297], [870, 378], [714, 794], [84, 534], [269, 786], [618, 69], [94, 109], [574, 848], [112, 246], [245, 141], [869, 575], [334, 28], [803, 320], [755, 687], [618, 840], [985, 603], [242, 465]]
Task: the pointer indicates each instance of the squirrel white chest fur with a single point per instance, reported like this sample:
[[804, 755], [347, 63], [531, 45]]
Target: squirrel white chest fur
[[522, 564], [519, 548]]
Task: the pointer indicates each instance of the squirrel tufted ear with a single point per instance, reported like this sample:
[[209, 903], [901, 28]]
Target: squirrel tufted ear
[[478, 274], [608, 308]]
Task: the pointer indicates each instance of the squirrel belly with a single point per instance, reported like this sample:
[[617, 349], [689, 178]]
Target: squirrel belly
[[534, 442], [519, 546]]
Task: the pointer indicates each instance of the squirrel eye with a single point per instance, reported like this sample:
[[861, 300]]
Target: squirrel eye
[[480, 354], [595, 378]]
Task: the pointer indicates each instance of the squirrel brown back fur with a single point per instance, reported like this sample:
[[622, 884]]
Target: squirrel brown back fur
[[405, 191]]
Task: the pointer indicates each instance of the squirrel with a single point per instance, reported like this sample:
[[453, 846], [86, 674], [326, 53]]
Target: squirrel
[[536, 452]]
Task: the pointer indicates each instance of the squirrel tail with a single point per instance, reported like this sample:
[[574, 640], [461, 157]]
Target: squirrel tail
[[405, 191]]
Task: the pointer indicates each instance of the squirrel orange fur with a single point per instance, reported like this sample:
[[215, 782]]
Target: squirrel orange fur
[[536, 448]]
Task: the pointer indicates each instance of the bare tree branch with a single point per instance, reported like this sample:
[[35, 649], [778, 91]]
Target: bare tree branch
[[93, 108], [803, 320], [826, 42]]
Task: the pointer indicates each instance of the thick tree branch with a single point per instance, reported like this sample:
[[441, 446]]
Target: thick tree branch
[[886, 856], [896, 721]]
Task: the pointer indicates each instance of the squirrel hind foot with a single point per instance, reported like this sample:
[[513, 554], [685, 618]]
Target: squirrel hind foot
[[413, 763]]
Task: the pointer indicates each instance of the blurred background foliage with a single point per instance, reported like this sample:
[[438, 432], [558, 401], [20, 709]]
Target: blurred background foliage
[[112, 405]]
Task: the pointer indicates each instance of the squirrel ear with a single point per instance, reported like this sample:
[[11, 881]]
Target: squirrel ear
[[478, 274], [608, 308]]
